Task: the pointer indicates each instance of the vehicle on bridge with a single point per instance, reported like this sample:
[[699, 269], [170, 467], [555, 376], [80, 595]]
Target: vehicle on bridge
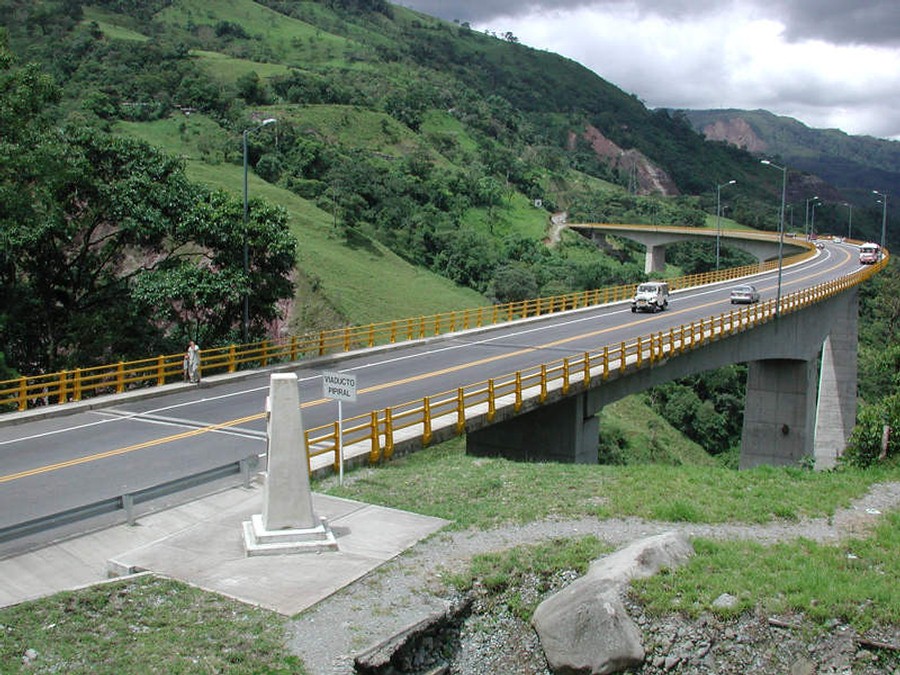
[[869, 253], [744, 294], [651, 296]]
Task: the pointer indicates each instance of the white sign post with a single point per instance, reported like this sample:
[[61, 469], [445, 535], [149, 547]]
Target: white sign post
[[341, 387]]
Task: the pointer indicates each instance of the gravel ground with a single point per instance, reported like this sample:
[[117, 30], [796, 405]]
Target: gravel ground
[[409, 589]]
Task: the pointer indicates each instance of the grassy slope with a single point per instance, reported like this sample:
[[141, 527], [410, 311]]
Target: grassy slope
[[365, 282]]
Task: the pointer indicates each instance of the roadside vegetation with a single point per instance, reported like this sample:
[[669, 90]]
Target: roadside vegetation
[[123, 626]]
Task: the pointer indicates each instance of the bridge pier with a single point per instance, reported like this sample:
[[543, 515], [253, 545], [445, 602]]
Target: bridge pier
[[565, 431], [655, 259], [836, 409], [779, 410]]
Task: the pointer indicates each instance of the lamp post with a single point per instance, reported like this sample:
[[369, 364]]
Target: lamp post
[[718, 214], [849, 219], [812, 222], [806, 217], [783, 170], [883, 216], [245, 319]]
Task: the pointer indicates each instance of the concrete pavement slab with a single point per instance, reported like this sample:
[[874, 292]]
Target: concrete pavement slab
[[200, 543]]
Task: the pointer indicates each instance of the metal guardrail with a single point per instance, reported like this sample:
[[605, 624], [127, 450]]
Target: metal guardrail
[[66, 386], [377, 429], [128, 501]]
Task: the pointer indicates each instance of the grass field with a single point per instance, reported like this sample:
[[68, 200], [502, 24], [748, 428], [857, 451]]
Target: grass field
[[122, 626]]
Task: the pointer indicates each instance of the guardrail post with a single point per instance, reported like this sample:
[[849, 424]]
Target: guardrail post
[[347, 339], [518, 403], [128, 505], [426, 421], [321, 343], [460, 411], [23, 394], [421, 328], [61, 395], [393, 337], [492, 404], [232, 358], [337, 450], [375, 452], [640, 353], [622, 356], [120, 377], [294, 349], [77, 385], [371, 335], [160, 370], [543, 382], [245, 472], [587, 370], [565, 383], [388, 433], [606, 362]]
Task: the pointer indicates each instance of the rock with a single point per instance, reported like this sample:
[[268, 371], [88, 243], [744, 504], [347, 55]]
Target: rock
[[725, 601], [584, 628]]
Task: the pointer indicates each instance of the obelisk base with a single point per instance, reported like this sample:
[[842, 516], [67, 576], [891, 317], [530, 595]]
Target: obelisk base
[[259, 541]]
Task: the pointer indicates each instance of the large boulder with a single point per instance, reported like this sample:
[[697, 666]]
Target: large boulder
[[584, 628]]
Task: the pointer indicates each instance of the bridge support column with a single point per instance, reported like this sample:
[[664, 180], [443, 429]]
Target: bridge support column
[[655, 260], [779, 413], [836, 411], [562, 432]]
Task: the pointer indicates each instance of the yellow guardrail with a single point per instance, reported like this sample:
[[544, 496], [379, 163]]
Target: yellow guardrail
[[66, 386], [378, 429]]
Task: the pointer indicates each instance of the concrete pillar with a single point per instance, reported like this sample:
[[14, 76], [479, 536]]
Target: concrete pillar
[[287, 523], [655, 260], [836, 410], [779, 413], [558, 432]]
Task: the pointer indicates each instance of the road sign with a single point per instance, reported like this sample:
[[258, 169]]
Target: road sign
[[339, 386]]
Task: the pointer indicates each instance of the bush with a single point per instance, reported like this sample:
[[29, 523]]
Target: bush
[[864, 447]]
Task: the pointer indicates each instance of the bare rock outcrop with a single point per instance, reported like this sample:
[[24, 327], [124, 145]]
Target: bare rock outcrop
[[645, 177], [585, 628]]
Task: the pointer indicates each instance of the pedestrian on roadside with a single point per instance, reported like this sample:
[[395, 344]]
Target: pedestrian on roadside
[[192, 360]]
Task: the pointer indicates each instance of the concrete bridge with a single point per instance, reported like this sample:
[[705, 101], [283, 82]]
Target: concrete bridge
[[760, 245], [798, 407]]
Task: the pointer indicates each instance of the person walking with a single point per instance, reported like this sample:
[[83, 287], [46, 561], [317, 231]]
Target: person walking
[[192, 362]]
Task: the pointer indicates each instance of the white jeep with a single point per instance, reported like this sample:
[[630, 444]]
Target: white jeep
[[651, 296]]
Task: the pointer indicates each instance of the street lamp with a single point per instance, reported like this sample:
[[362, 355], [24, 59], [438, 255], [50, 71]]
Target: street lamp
[[245, 321], [812, 222], [883, 216], [806, 217], [849, 219], [783, 170], [718, 214]]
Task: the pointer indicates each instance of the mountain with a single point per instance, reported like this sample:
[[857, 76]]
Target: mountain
[[855, 165]]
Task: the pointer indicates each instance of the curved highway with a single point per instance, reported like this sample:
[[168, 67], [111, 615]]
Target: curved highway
[[57, 463]]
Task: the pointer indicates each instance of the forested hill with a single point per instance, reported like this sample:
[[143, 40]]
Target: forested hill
[[854, 164], [412, 166]]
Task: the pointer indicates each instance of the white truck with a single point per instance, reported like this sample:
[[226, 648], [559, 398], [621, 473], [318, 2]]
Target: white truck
[[651, 296]]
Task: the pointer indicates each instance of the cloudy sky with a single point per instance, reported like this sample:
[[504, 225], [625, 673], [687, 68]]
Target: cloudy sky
[[827, 63]]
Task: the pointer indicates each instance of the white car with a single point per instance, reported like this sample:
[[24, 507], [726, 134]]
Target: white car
[[744, 294]]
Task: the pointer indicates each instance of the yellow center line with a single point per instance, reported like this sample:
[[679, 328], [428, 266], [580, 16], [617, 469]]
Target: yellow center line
[[378, 387], [126, 449]]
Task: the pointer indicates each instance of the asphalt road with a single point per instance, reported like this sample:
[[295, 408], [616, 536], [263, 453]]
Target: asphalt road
[[50, 465]]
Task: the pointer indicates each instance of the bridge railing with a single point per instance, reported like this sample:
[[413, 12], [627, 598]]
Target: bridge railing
[[378, 431], [76, 384]]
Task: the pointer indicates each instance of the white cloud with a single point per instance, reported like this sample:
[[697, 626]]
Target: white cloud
[[736, 54]]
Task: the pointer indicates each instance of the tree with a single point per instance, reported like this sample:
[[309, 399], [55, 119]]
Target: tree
[[108, 251]]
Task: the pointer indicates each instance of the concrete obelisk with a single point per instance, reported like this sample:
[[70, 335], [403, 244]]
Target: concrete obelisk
[[287, 523]]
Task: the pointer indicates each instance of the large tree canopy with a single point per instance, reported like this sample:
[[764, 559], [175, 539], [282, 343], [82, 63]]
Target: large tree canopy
[[108, 251]]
